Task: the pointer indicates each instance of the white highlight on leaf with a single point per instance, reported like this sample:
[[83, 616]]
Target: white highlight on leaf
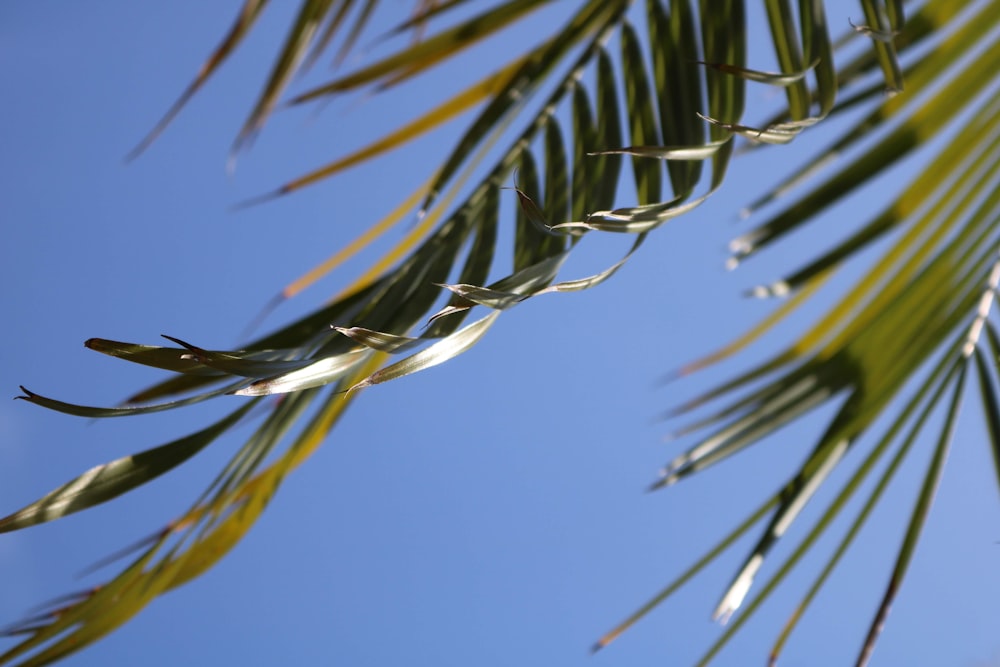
[[780, 289], [737, 592], [740, 246], [777, 289], [320, 373], [982, 312], [54, 505], [715, 447], [441, 351], [810, 488]]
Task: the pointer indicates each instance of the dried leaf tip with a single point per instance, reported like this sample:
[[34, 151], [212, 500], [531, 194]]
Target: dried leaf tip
[[608, 638]]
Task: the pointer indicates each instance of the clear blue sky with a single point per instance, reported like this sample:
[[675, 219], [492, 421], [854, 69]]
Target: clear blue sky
[[487, 512]]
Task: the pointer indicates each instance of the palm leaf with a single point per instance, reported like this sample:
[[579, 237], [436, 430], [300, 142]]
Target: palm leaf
[[558, 118]]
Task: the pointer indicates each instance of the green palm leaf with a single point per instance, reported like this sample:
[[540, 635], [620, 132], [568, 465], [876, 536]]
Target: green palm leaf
[[663, 85]]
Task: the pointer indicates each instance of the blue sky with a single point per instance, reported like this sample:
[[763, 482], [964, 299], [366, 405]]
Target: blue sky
[[489, 511]]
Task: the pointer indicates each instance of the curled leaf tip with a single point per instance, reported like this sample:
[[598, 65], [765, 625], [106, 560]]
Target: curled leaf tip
[[357, 387], [188, 346]]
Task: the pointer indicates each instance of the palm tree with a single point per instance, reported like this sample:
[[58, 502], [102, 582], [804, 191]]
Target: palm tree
[[626, 117]]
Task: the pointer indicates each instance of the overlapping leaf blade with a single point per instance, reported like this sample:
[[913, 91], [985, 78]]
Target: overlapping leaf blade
[[109, 480]]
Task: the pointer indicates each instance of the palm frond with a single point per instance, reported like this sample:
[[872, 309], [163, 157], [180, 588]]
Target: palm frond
[[923, 302], [558, 118]]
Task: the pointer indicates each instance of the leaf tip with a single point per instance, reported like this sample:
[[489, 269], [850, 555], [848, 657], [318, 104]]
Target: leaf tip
[[261, 199], [658, 484], [607, 639], [357, 387], [737, 592]]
